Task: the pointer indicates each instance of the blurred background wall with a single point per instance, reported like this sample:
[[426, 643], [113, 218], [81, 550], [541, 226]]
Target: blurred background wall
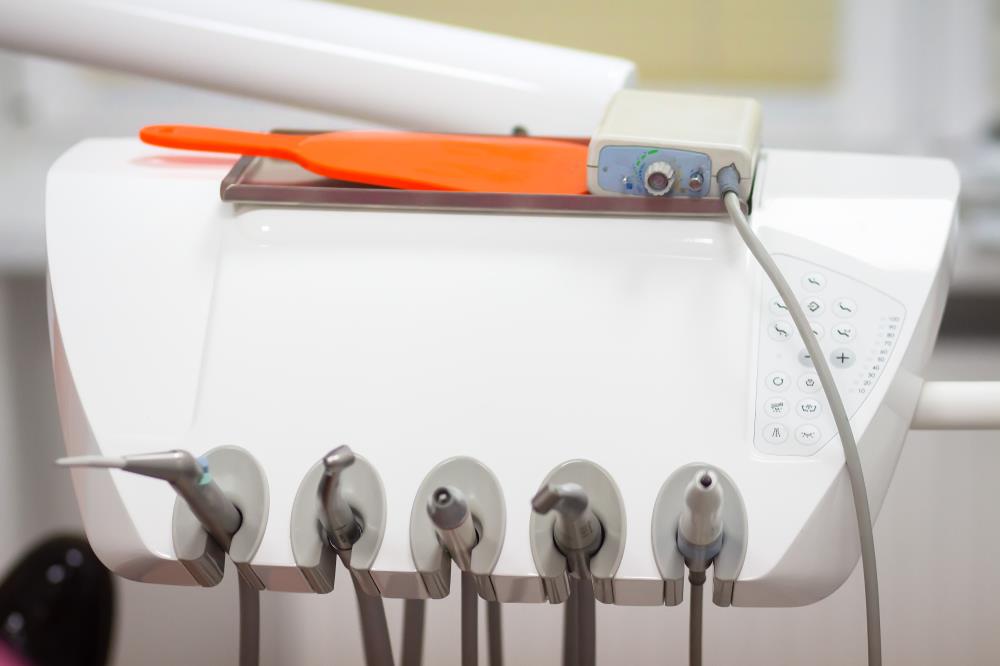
[[863, 75]]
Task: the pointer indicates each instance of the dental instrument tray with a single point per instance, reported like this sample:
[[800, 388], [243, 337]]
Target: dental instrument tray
[[266, 181]]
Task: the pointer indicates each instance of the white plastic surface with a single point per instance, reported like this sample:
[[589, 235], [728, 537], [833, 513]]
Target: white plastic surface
[[523, 341], [383, 68]]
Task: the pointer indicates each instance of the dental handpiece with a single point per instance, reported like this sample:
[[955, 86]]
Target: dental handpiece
[[453, 521], [700, 528], [578, 532], [341, 523], [189, 477]]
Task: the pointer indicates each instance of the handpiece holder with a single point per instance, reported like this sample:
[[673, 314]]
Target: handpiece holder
[[605, 501], [482, 491], [360, 486], [727, 564], [242, 479]]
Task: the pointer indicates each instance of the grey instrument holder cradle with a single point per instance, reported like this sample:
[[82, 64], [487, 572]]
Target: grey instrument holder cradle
[[242, 479], [607, 504], [362, 488], [486, 504], [666, 514]]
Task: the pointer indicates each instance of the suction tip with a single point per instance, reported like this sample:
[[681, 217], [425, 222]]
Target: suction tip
[[91, 461]]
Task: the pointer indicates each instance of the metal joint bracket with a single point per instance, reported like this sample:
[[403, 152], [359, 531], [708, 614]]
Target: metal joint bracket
[[607, 504], [486, 503], [242, 479], [666, 513], [362, 487]]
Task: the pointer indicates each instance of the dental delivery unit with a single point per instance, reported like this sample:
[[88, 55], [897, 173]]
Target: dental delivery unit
[[672, 353]]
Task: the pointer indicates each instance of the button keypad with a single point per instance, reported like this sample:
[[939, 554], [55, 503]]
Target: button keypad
[[857, 327]]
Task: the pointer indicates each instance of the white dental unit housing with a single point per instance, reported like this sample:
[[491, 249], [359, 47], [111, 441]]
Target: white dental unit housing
[[640, 342]]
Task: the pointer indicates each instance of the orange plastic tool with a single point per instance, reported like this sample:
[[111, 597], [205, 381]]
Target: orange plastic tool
[[406, 160]]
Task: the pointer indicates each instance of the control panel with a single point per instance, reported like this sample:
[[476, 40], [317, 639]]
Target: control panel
[[654, 171], [857, 327]]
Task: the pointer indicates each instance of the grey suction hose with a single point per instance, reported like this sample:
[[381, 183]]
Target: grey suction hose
[[470, 621], [249, 624], [571, 630], [728, 179], [697, 580], [586, 620], [374, 627], [414, 612], [494, 633]]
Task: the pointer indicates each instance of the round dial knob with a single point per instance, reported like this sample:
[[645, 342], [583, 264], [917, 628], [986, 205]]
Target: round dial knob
[[659, 178]]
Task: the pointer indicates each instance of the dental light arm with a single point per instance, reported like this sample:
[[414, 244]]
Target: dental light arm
[[353, 62]]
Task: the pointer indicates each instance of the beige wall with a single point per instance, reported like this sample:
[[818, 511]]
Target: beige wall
[[773, 42]]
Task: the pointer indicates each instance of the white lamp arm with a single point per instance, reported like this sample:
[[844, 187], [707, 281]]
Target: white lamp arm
[[958, 406], [352, 62]]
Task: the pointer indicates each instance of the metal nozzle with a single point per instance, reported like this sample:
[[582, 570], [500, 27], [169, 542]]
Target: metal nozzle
[[449, 511], [189, 476], [700, 528], [338, 517]]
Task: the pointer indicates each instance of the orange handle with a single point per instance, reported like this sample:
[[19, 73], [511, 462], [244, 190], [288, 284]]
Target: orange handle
[[189, 137]]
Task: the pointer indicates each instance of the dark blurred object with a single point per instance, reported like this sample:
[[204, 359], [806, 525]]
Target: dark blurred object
[[57, 605]]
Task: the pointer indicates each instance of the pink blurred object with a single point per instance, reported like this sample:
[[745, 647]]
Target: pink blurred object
[[10, 658]]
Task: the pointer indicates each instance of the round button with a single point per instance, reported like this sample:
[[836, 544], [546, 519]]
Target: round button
[[809, 383], [696, 180], [778, 307], [813, 306], [775, 433], [816, 329], [776, 381], [805, 359], [807, 434], [809, 408], [776, 407], [813, 281], [780, 330], [842, 358], [845, 308], [659, 178], [843, 332]]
